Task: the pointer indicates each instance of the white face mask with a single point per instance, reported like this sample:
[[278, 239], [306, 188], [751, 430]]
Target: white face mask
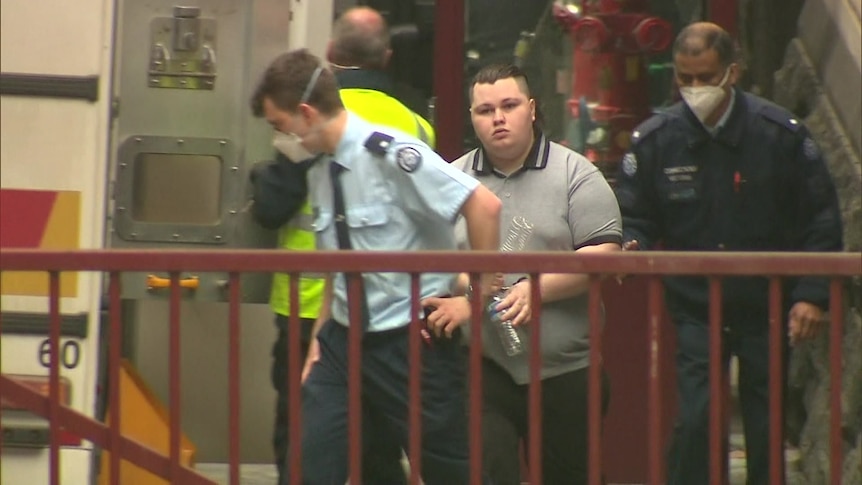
[[290, 145], [704, 99]]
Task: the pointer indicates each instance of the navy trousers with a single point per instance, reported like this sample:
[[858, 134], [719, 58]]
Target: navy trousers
[[384, 395], [505, 425], [689, 453], [382, 460]]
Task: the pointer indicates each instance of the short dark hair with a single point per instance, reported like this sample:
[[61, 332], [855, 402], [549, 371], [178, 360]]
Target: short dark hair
[[287, 78], [359, 44], [702, 36], [496, 72]]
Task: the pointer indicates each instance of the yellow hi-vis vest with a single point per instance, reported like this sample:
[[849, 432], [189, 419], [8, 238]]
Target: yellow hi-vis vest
[[381, 109], [297, 235]]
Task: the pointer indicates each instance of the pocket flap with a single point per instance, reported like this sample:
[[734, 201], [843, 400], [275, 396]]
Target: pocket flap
[[366, 216]]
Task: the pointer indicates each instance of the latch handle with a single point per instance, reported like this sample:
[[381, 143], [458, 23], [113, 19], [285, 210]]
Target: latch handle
[[156, 283]]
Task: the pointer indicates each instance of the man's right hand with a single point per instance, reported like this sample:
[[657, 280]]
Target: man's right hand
[[632, 245], [313, 356]]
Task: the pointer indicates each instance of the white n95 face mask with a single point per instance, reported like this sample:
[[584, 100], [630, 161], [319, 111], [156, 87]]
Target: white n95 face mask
[[290, 145], [702, 100]]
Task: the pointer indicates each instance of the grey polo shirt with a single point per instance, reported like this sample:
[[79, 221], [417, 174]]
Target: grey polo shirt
[[570, 205]]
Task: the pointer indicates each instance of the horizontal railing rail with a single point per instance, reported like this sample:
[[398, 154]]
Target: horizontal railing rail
[[838, 267], [638, 262]]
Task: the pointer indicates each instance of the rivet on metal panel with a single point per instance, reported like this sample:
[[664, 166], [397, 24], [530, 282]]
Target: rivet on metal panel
[[123, 165], [180, 141], [121, 209], [175, 236], [233, 213], [133, 235], [217, 238], [234, 169], [155, 81], [138, 139], [183, 82], [209, 83], [222, 142]]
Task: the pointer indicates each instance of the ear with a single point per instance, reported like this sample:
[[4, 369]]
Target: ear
[[533, 108], [329, 51], [308, 112], [386, 56], [734, 74]]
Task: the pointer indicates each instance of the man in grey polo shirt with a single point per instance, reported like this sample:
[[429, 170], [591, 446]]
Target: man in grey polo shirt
[[570, 207]]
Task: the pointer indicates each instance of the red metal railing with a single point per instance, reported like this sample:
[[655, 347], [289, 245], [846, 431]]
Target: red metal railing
[[774, 265]]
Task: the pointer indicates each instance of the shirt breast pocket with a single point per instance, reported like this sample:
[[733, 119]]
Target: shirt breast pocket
[[684, 206], [324, 230], [369, 227]]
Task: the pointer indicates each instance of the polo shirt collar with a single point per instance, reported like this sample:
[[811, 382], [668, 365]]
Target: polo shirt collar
[[537, 158]]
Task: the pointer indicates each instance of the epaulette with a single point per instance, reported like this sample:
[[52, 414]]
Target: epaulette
[[378, 143], [781, 116], [647, 127]]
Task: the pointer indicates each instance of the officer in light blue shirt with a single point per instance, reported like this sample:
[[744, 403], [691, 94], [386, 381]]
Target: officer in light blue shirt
[[376, 189], [399, 196]]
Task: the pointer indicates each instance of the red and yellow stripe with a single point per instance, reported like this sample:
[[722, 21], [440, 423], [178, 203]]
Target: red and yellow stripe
[[46, 219]]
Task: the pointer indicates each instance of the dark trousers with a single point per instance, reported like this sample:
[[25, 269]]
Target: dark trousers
[[689, 453], [384, 393], [505, 425], [382, 460]]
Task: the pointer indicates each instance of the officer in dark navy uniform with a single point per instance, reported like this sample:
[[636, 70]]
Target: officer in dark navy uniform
[[724, 170]]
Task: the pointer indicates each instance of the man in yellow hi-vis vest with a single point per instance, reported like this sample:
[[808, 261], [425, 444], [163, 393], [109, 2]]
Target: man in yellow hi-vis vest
[[358, 52]]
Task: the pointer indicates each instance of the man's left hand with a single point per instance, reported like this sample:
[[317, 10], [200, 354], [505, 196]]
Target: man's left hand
[[805, 322], [515, 306]]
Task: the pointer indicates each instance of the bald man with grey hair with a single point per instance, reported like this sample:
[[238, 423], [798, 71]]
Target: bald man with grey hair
[[360, 39]]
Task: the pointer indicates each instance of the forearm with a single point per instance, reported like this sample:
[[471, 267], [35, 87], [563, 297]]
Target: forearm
[[462, 282], [325, 307], [481, 211], [559, 286]]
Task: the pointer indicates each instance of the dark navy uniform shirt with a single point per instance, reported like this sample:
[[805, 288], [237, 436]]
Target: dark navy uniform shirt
[[758, 184]]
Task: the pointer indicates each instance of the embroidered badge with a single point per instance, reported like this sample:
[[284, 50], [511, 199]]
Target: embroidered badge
[[809, 148], [408, 158], [630, 164]]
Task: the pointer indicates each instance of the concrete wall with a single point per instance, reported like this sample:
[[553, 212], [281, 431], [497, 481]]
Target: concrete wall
[[821, 80]]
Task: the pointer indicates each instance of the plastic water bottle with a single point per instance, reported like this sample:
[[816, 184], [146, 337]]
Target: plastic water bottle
[[508, 334], [516, 240]]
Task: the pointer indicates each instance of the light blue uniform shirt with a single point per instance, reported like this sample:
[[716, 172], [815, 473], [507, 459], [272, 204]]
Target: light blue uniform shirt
[[406, 199]]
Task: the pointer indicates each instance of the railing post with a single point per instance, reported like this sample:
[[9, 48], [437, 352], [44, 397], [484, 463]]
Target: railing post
[[174, 383], [116, 342], [776, 383], [414, 382], [234, 336], [594, 403], [294, 387], [535, 390], [475, 370], [717, 438], [836, 336], [354, 376], [654, 396], [54, 377]]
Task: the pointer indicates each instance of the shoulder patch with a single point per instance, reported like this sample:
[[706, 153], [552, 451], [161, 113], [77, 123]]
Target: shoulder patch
[[630, 164], [810, 149], [408, 158], [378, 143], [647, 127], [781, 116]]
